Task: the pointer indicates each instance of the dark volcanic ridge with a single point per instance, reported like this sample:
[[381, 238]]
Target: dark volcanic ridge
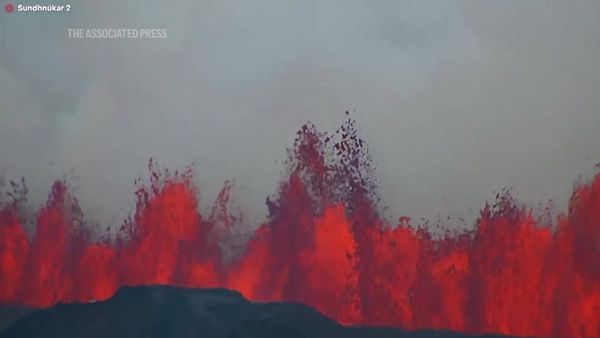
[[166, 311]]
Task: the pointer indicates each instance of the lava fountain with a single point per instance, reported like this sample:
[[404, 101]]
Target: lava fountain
[[324, 244]]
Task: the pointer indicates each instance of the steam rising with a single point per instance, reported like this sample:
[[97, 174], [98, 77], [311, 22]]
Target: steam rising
[[456, 98]]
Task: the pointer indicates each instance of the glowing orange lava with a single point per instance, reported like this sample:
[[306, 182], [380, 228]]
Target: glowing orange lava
[[324, 244]]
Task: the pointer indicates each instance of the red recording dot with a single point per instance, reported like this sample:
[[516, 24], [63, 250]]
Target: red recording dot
[[8, 8]]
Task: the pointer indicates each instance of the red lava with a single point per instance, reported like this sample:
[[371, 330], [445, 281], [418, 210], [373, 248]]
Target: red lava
[[324, 244]]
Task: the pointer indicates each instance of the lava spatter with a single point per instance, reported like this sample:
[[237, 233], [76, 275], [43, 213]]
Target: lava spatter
[[325, 244]]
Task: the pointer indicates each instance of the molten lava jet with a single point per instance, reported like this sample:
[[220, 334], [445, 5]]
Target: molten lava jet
[[326, 245]]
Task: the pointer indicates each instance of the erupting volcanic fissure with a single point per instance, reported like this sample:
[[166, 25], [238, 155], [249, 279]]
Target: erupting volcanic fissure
[[324, 244]]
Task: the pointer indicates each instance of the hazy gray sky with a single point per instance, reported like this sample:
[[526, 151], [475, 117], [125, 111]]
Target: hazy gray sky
[[456, 99]]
